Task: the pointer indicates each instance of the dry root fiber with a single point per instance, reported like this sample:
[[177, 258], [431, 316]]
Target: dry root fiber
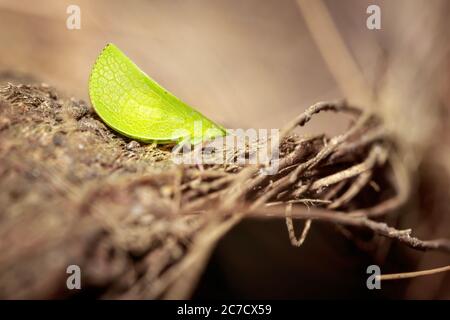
[[74, 192]]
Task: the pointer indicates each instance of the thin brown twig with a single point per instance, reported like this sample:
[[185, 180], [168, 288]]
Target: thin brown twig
[[351, 172], [379, 228], [405, 275], [290, 226]]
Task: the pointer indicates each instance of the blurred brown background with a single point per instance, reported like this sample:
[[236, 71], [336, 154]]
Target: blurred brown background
[[245, 63], [241, 62]]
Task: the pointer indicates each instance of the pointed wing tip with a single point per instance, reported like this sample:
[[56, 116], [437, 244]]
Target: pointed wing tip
[[105, 49], [110, 45]]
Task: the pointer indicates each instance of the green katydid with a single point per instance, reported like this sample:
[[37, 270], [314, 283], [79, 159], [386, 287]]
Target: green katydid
[[130, 102]]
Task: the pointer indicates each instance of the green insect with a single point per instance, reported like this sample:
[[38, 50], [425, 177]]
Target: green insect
[[130, 102]]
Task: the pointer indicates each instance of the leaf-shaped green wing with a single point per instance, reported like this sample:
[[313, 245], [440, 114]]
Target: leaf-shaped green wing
[[133, 104]]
